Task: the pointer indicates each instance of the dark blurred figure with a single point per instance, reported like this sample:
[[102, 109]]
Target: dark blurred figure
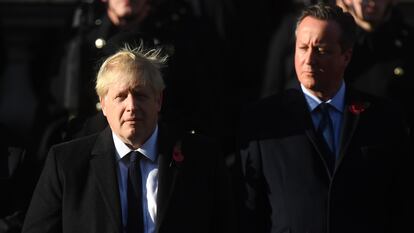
[[16, 186], [11, 211], [3, 58], [382, 63], [12, 205], [11, 201], [248, 40], [247, 28], [86, 49]]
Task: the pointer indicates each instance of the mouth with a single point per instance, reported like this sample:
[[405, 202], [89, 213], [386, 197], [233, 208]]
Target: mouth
[[133, 120], [310, 72]]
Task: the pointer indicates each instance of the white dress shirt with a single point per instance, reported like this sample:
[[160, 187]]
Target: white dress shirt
[[149, 171]]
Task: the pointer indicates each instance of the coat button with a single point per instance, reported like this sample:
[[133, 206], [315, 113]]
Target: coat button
[[398, 43], [98, 22], [100, 43], [98, 106], [398, 71]]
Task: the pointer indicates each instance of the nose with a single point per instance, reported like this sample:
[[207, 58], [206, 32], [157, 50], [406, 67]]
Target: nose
[[131, 102], [310, 57]]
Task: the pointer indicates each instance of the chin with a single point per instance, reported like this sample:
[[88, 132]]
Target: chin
[[308, 83]]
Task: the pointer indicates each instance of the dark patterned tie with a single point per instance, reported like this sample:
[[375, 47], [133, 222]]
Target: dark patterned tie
[[134, 194]]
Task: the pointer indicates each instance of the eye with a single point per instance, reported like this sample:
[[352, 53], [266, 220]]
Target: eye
[[139, 95], [303, 47], [322, 51], [120, 96]]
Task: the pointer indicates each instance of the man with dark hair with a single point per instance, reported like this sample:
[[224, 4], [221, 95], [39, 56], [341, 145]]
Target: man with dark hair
[[324, 157]]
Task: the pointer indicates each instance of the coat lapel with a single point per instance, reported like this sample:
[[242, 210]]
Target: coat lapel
[[299, 112], [103, 165], [350, 122], [167, 174]]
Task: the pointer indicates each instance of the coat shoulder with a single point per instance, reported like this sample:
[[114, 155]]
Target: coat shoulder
[[75, 151], [272, 112]]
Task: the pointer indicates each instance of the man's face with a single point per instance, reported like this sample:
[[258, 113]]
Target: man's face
[[132, 111], [319, 60], [371, 11], [126, 8]]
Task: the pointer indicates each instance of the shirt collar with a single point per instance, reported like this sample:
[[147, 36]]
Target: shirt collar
[[148, 149], [338, 101]]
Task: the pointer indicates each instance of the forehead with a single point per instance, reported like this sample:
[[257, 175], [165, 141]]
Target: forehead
[[317, 30], [121, 79]]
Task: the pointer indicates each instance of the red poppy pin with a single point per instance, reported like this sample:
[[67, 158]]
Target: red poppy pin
[[358, 108], [177, 155]]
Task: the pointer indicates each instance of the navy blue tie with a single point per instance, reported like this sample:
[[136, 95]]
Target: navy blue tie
[[134, 195], [325, 127]]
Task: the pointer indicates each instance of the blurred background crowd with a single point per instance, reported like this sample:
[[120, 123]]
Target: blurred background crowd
[[223, 54]]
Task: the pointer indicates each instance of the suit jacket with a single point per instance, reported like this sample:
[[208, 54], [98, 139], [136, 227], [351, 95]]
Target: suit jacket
[[78, 188], [288, 187]]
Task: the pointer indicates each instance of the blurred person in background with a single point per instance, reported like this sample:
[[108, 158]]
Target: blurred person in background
[[382, 63], [16, 187]]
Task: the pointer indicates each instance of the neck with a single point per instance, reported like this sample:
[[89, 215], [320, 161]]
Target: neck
[[325, 95]]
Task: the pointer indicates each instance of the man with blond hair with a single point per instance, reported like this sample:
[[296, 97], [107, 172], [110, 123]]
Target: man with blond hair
[[136, 175]]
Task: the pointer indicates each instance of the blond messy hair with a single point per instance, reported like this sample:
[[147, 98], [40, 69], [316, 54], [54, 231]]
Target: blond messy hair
[[132, 65]]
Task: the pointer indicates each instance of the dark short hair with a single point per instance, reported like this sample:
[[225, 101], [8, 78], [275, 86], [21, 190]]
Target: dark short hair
[[325, 11]]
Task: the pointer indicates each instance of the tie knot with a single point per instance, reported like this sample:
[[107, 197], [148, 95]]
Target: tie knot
[[324, 107], [134, 156]]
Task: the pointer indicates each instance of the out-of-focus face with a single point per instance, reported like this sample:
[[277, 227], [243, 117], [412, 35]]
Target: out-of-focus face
[[126, 9], [319, 60], [370, 11], [132, 111]]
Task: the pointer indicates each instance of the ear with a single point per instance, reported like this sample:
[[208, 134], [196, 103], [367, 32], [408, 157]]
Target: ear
[[103, 105], [158, 99], [347, 56]]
